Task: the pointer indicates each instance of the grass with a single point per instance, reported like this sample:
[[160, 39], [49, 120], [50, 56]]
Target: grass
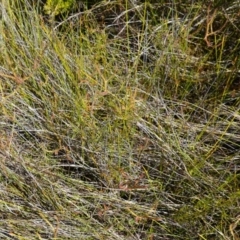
[[120, 122]]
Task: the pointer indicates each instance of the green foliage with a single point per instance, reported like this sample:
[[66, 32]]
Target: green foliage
[[56, 7]]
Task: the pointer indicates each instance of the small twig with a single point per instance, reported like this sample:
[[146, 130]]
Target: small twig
[[15, 78]]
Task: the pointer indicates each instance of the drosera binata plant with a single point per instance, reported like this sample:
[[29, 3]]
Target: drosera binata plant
[[97, 143]]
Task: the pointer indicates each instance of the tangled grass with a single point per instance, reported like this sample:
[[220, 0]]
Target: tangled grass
[[120, 122]]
